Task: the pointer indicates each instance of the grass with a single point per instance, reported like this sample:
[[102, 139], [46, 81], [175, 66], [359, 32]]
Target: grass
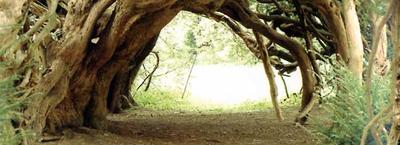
[[170, 100], [161, 100]]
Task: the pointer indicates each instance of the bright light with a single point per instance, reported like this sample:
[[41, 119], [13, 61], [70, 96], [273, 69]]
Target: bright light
[[232, 85]]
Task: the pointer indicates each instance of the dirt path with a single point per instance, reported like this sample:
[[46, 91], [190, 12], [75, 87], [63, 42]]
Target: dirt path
[[164, 128]]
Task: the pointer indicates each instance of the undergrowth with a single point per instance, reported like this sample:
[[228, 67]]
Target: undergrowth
[[347, 107], [10, 106], [8, 112]]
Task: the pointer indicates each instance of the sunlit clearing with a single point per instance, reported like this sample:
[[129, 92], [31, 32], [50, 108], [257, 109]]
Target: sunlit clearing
[[233, 85], [225, 72]]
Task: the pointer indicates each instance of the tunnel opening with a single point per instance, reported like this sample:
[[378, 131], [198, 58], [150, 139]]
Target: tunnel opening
[[193, 67]]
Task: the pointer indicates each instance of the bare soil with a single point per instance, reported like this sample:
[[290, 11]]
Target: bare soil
[[144, 127]]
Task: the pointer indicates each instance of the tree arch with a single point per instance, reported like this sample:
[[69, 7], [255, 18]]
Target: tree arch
[[79, 58]]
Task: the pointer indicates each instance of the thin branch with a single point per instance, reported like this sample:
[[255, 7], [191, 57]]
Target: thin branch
[[150, 75], [248, 40], [316, 31], [265, 1], [278, 18], [284, 84], [372, 122], [270, 74], [189, 75], [154, 70]]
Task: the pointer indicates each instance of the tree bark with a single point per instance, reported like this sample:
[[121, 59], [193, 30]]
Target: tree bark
[[332, 17], [11, 14], [395, 85], [266, 60], [79, 80], [11, 17], [120, 95], [356, 49]]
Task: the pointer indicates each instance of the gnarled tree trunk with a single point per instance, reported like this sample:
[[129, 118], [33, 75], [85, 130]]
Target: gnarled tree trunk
[[87, 72], [120, 95], [82, 74]]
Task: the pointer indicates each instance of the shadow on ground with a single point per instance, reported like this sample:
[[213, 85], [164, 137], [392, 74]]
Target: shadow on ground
[[164, 128]]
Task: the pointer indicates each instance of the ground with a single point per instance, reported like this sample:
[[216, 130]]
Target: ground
[[145, 127]]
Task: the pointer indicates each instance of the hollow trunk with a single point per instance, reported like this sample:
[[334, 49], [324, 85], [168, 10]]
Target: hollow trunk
[[88, 72], [120, 95], [86, 79]]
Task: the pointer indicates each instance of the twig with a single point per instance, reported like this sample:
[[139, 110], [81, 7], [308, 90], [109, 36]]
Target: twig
[[284, 84], [373, 121], [152, 72], [189, 75]]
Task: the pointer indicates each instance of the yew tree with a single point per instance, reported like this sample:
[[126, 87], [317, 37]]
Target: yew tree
[[76, 59]]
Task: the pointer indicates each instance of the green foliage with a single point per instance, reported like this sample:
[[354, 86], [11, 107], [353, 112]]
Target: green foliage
[[8, 111], [253, 106], [347, 107], [294, 99], [190, 40], [170, 100], [10, 100], [161, 100], [214, 42], [188, 35], [378, 7]]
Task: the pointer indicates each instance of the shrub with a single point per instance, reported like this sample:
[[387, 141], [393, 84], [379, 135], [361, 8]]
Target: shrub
[[347, 107], [8, 112]]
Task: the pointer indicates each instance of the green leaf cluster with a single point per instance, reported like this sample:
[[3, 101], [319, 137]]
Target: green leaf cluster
[[347, 107]]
